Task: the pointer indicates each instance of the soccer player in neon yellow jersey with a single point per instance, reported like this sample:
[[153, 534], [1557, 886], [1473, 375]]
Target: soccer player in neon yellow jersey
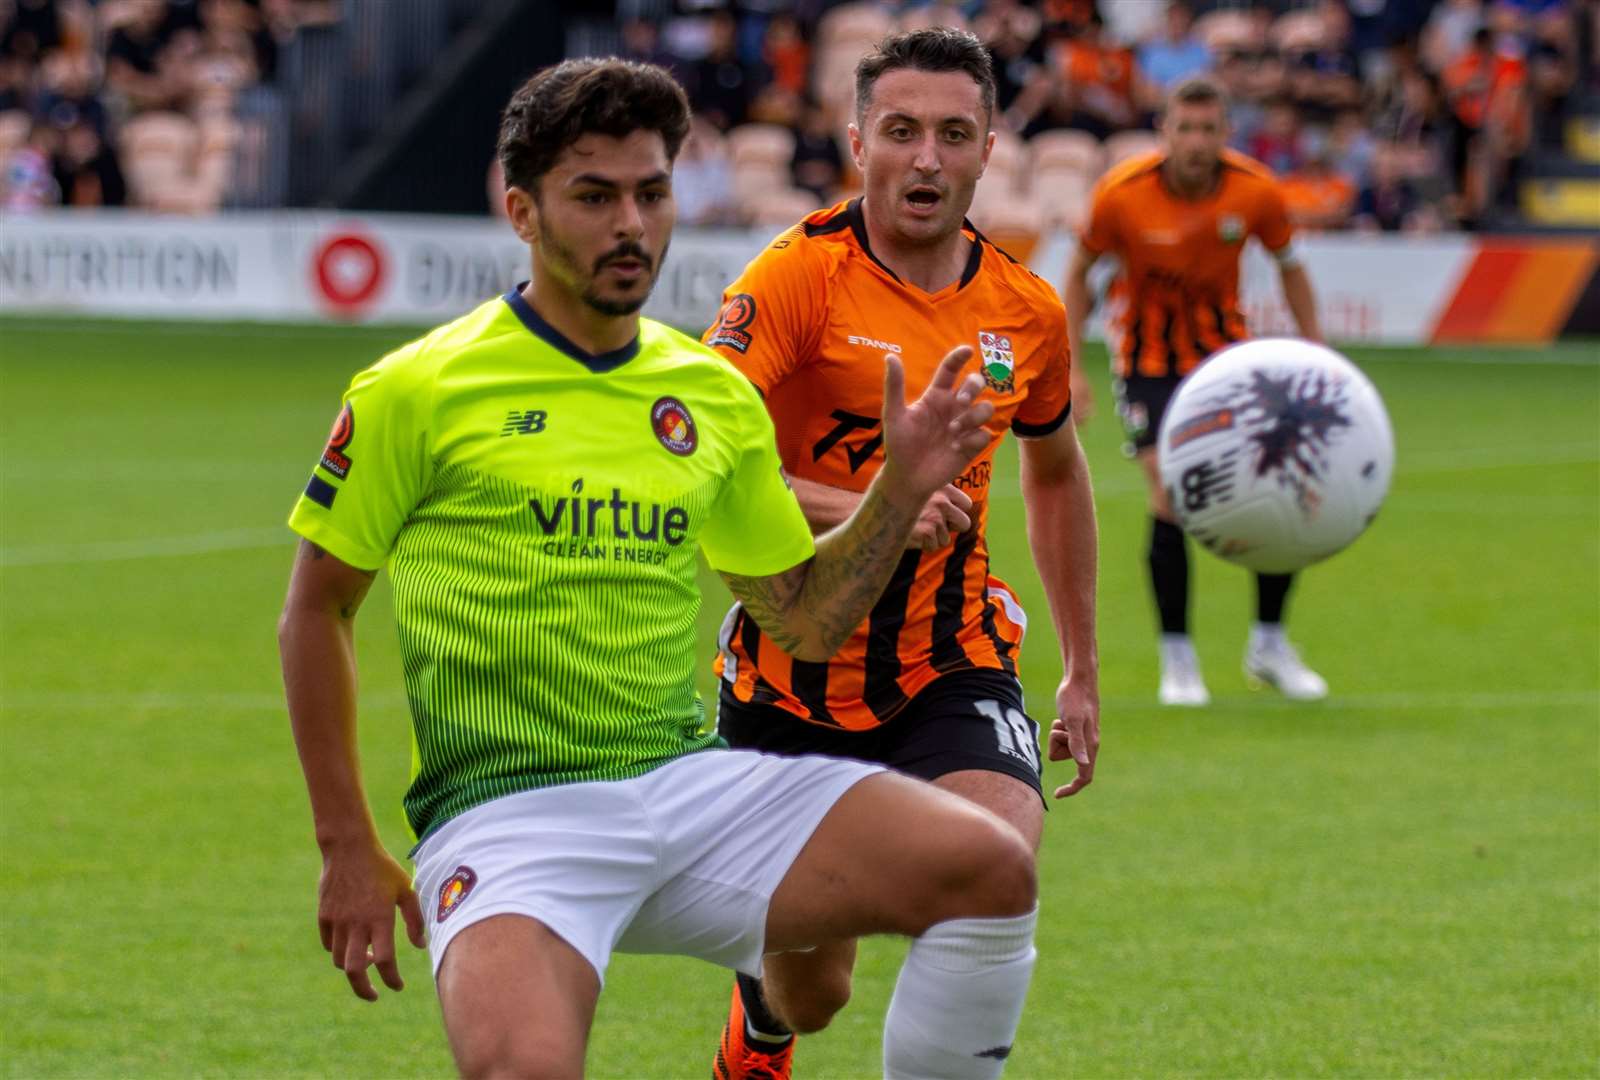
[[537, 477]]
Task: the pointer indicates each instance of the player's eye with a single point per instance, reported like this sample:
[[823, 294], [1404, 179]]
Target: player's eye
[[652, 197], [955, 135], [899, 133], [593, 198]]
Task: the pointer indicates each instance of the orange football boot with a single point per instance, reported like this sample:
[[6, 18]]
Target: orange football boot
[[740, 1057]]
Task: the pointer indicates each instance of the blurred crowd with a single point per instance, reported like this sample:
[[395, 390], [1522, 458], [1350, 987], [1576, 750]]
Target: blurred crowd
[[132, 102], [1382, 115]]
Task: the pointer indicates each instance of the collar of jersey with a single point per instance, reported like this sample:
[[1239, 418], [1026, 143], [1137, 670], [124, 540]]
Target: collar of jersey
[[858, 225], [599, 363]]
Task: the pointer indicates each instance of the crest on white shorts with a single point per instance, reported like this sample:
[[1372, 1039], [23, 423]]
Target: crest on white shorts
[[454, 891]]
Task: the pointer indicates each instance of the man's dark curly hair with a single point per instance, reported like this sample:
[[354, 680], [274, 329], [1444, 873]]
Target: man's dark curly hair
[[561, 104], [934, 48]]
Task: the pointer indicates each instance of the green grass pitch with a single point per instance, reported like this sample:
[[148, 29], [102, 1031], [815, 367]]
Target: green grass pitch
[[1402, 881]]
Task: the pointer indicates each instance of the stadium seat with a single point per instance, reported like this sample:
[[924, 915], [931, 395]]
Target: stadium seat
[[1062, 193], [781, 209], [753, 184], [1013, 224], [1008, 162], [862, 24], [1125, 144], [1077, 150], [760, 144]]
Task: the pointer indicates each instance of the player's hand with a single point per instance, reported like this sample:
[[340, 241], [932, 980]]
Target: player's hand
[[1075, 733], [948, 512], [928, 443], [360, 888], [1082, 397]]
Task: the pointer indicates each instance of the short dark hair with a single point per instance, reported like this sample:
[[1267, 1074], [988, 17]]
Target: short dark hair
[[1198, 90], [934, 48], [561, 104]]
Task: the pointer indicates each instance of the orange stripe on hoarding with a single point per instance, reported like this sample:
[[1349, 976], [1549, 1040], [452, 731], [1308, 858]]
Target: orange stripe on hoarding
[[1540, 297], [1479, 295]]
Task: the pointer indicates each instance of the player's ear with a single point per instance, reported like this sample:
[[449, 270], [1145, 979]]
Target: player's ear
[[522, 209], [854, 134], [988, 148]]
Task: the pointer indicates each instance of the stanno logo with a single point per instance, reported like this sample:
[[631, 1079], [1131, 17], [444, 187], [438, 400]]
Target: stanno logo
[[519, 422], [874, 343]]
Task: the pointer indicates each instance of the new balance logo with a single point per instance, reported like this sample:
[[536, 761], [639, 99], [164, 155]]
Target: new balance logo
[[524, 423]]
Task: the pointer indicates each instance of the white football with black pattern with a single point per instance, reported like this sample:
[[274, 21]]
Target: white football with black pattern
[[1276, 453]]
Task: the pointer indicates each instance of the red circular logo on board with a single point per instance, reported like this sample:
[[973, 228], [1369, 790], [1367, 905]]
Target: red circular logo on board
[[674, 427], [348, 269]]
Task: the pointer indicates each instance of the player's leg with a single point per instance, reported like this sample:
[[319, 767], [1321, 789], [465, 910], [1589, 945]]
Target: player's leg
[[797, 992], [897, 855], [517, 1000], [1141, 403], [1270, 658], [525, 897]]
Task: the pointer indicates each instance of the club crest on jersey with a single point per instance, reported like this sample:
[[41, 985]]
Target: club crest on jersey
[[453, 893], [1230, 228], [334, 459], [674, 427], [998, 362]]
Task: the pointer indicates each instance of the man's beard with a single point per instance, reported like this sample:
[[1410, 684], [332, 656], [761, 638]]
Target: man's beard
[[566, 260]]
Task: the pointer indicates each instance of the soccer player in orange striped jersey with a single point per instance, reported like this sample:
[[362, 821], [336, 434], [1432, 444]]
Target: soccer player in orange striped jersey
[[1177, 220], [928, 683]]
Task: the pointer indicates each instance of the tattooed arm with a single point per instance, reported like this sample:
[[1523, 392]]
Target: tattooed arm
[[361, 883], [810, 610]]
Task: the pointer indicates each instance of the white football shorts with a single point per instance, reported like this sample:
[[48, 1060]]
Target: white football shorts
[[682, 860]]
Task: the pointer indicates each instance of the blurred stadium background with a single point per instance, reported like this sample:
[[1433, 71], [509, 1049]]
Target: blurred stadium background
[[212, 212]]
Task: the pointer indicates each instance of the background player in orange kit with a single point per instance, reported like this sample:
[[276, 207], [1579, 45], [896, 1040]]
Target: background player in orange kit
[[928, 683], [1177, 218]]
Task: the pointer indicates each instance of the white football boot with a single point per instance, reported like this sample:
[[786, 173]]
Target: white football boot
[[1181, 683], [1271, 660]]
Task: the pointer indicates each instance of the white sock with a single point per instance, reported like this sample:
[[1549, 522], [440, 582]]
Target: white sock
[[1177, 649], [959, 999], [1266, 635]]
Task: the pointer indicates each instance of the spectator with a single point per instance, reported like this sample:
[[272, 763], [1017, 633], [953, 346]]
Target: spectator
[[134, 61], [1276, 144], [702, 179], [1449, 32], [1011, 31], [1552, 74], [86, 171], [786, 53], [33, 30], [1177, 54], [28, 182], [1486, 86], [1326, 79], [722, 86], [1317, 195], [1389, 202], [68, 92], [818, 164], [1351, 145], [1097, 82]]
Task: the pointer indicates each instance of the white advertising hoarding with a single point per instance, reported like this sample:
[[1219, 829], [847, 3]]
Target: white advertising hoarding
[[300, 266]]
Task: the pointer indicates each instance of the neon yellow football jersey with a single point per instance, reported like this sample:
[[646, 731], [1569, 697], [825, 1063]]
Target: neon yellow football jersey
[[539, 509]]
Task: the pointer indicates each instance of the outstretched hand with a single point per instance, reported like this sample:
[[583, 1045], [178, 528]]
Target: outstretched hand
[[929, 442], [360, 889]]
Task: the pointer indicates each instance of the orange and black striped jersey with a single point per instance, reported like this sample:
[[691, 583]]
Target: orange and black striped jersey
[[1175, 299], [808, 322]]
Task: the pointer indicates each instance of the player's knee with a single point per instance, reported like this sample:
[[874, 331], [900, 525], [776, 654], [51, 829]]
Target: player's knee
[[996, 877], [522, 1055], [815, 1007]]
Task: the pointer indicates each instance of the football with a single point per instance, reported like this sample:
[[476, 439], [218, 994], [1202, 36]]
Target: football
[[1276, 453]]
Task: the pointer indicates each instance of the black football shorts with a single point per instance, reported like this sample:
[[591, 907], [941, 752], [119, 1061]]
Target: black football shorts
[[969, 719], [1141, 403]]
